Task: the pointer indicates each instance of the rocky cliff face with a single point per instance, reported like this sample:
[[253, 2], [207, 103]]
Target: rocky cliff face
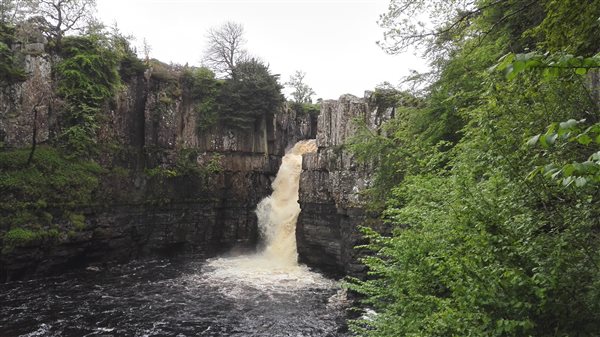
[[330, 188], [147, 129], [150, 125]]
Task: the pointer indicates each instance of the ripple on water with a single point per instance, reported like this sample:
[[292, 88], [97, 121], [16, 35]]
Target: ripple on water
[[218, 297]]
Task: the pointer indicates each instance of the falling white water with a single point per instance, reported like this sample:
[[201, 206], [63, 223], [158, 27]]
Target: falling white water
[[275, 268], [277, 213]]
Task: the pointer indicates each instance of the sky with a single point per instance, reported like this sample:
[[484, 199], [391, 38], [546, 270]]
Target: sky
[[332, 41]]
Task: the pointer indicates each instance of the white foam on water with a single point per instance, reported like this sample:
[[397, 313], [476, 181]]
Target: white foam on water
[[276, 268]]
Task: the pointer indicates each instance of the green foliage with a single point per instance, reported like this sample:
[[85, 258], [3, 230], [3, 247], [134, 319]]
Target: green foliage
[[241, 101], [187, 165], [303, 109], [33, 194], [78, 221], [130, 65], [553, 65], [302, 93], [9, 71], [250, 95], [409, 143], [484, 242], [203, 88], [87, 77], [570, 26], [162, 72], [19, 236], [568, 136]]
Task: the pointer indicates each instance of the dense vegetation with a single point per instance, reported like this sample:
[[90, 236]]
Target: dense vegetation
[[491, 179], [240, 101]]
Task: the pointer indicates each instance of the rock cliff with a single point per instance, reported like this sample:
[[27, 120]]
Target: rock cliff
[[330, 188], [140, 209]]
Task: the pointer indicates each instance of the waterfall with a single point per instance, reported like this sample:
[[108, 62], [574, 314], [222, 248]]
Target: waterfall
[[275, 268], [277, 214]]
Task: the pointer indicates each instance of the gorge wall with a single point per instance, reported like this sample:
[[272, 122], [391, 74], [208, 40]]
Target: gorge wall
[[144, 205], [331, 185], [141, 206]]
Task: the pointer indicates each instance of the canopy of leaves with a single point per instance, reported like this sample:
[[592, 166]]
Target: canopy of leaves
[[88, 77], [10, 72], [491, 183], [241, 101], [302, 92]]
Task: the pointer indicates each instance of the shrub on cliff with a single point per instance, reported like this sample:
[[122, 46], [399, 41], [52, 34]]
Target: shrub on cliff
[[238, 102], [10, 72], [36, 196], [250, 95], [87, 79]]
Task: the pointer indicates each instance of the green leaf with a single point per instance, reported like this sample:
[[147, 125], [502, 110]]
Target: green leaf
[[580, 181], [568, 170], [568, 181], [514, 69], [568, 124], [551, 139], [584, 139], [581, 71], [533, 140]]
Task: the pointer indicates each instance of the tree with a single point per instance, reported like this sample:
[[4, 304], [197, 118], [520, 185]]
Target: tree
[[251, 94], [484, 243], [63, 16], [12, 11], [146, 49], [225, 48], [38, 94], [436, 26], [302, 92]]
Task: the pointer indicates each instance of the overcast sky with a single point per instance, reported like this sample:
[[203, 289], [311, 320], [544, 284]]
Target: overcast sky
[[333, 41]]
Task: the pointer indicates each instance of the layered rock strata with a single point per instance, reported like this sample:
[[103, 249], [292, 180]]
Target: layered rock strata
[[331, 185], [150, 124]]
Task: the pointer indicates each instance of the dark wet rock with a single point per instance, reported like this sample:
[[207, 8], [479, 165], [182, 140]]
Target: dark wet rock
[[149, 124], [330, 188]]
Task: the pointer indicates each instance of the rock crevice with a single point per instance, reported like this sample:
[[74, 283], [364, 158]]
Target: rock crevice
[[331, 187]]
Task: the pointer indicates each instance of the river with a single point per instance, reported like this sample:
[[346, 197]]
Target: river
[[262, 294], [171, 298]]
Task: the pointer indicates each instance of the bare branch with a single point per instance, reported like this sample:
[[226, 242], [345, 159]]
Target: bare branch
[[64, 16], [225, 48]]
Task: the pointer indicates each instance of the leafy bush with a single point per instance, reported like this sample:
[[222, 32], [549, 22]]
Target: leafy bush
[[303, 109], [88, 77], [9, 71], [162, 72], [484, 242], [187, 165], [19, 236], [203, 89], [51, 185], [250, 95]]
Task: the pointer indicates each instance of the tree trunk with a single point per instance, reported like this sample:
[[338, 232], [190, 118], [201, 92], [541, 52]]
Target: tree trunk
[[265, 135], [33, 137]]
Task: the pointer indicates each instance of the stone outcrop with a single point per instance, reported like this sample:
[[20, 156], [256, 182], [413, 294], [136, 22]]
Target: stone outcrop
[[150, 124], [330, 188]]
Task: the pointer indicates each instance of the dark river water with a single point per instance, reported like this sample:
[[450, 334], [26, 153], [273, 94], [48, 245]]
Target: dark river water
[[220, 297]]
